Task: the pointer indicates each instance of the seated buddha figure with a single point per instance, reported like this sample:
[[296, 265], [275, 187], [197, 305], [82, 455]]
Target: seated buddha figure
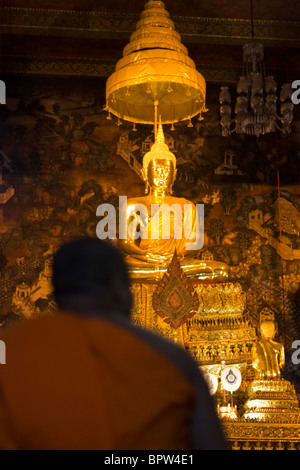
[[159, 223], [268, 355]]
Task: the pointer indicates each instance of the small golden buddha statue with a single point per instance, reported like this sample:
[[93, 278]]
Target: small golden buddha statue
[[268, 355], [159, 223]]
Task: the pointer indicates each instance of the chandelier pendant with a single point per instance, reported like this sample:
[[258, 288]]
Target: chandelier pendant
[[256, 109]]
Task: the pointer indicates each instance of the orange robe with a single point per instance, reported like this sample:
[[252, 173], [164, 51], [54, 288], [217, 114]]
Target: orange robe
[[74, 382]]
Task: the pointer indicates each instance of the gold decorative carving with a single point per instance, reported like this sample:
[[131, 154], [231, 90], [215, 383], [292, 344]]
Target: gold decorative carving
[[225, 335], [272, 401], [221, 299], [174, 298], [243, 435], [115, 25], [57, 66]]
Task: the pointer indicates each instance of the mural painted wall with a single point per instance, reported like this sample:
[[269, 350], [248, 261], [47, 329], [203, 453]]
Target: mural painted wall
[[60, 157]]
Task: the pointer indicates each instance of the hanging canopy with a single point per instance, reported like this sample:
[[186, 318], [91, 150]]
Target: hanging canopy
[[155, 71]]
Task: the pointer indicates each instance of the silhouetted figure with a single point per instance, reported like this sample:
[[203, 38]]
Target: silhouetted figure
[[88, 378]]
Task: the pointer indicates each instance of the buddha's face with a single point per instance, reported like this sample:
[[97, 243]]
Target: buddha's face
[[267, 329], [160, 174]]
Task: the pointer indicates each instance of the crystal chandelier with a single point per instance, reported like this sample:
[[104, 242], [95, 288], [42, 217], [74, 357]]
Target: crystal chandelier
[[256, 103]]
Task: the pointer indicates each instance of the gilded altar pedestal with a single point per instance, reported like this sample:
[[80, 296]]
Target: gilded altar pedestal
[[272, 401], [246, 435], [271, 420], [211, 321], [218, 332]]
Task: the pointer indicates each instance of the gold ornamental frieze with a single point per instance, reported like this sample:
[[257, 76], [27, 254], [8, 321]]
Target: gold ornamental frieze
[[221, 299], [272, 401], [174, 298], [193, 29], [262, 436], [210, 338], [221, 335]]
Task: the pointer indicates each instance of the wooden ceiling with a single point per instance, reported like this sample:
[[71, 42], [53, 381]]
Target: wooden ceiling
[[86, 38], [282, 10]]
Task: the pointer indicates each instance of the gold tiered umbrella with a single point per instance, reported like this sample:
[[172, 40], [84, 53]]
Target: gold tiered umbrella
[[155, 75]]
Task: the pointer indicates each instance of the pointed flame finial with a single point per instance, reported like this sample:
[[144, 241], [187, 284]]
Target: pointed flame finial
[[160, 133], [158, 150]]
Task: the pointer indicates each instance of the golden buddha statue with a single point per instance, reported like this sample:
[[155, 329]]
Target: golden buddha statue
[[270, 397], [268, 355], [159, 223]]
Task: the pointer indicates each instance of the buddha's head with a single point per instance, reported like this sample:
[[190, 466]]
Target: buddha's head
[[159, 167], [267, 329]]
